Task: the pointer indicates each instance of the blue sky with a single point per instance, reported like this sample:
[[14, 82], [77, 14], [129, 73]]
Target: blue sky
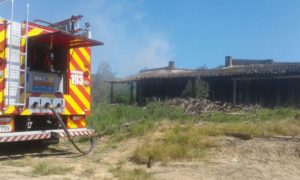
[[193, 33]]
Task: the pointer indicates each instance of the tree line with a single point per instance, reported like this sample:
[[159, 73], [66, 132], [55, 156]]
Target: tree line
[[101, 88]]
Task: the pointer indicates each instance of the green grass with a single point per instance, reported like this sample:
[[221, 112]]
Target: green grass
[[177, 143], [48, 168], [188, 141], [257, 115], [132, 120], [128, 121]]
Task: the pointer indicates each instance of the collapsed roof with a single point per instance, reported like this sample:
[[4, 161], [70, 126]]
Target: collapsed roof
[[232, 68]]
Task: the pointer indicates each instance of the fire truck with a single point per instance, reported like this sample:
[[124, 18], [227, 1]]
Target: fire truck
[[45, 79]]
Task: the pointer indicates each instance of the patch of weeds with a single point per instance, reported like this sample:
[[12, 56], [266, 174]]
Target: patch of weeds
[[184, 142], [88, 171], [139, 129], [110, 119], [83, 139], [297, 116], [135, 129], [177, 143], [48, 168], [258, 129], [258, 115], [128, 174], [125, 121], [220, 117], [118, 138], [106, 145]]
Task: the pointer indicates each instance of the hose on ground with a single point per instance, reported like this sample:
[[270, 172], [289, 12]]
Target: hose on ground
[[93, 138]]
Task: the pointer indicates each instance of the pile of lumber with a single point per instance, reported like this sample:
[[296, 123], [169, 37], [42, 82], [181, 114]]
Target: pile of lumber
[[195, 106]]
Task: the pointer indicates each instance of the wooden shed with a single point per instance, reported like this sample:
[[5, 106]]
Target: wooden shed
[[239, 81]]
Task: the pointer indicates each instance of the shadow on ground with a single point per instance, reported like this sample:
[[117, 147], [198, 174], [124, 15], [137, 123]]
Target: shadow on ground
[[18, 150]]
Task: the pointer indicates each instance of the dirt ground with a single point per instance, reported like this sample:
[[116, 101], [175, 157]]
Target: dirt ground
[[258, 158]]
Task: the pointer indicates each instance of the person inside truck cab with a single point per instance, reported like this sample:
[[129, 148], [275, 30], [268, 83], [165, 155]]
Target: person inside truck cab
[[48, 60], [41, 58]]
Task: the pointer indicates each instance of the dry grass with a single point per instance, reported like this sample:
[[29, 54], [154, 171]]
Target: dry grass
[[18, 162], [258, 129], [88, 171], [191, 141], [131, 174], [49, 168]]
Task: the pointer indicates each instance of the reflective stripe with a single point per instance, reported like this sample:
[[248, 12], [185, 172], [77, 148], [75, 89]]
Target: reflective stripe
[[35, 135]]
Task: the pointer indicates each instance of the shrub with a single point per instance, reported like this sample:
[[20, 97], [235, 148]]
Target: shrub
[[196, 89]]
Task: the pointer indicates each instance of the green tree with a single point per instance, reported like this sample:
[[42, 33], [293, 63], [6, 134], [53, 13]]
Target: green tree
[[196, 89], [101, 88]]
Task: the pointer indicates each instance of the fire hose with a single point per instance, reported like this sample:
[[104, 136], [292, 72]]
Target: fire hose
[[92, 140]]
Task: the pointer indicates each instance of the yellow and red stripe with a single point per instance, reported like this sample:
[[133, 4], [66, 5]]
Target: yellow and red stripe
[[3, 46], [78, 99], [76, 122], [33, 30]]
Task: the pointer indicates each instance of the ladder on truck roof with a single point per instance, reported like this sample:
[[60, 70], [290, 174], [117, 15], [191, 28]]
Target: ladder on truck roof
[[16, 66]]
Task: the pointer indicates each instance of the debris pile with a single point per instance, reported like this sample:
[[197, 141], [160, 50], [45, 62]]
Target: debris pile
[[195, 106]]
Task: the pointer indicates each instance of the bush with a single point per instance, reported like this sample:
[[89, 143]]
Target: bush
[[122, 93], [196, 89]]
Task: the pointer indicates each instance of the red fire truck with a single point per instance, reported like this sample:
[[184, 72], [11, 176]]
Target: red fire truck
[[45, 79]]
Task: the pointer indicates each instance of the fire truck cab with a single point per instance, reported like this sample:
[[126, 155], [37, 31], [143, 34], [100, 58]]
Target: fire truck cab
[[44, 65]]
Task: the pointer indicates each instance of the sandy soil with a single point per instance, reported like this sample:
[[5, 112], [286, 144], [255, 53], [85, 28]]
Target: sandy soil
[[258, 158]]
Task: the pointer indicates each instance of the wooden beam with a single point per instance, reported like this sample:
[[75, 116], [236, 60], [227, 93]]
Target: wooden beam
[[138, 92], [131, 92], [277, 93], [234, 92]]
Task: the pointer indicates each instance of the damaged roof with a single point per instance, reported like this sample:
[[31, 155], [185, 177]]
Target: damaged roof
[[253, 70], [238, 68]]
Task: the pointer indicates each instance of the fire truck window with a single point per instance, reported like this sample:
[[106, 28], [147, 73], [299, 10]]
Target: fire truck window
[[47, 67], [43, 58]]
